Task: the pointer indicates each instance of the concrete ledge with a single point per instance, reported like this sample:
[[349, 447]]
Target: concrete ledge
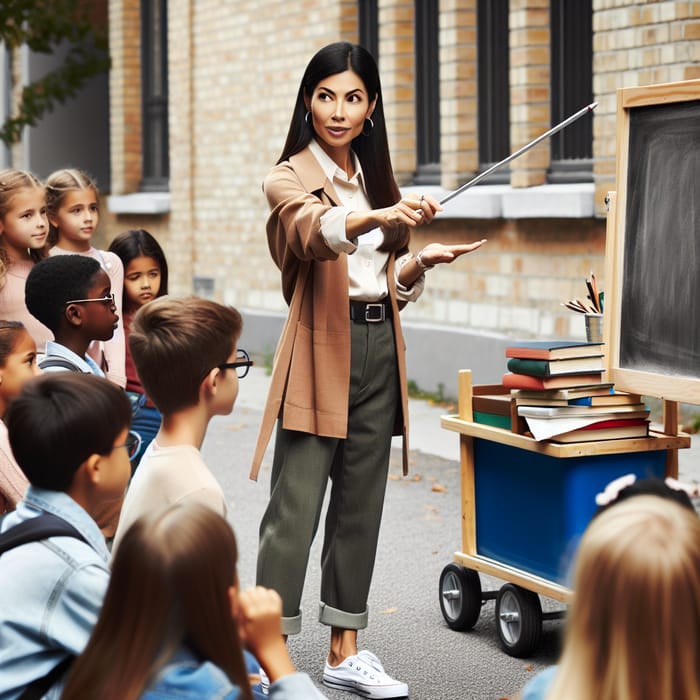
[[565, 201], [569, 201], [139, 203], [434, 354]]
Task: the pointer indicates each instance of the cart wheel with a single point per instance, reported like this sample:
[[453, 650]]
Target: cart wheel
[[460, 597], [518, 619]]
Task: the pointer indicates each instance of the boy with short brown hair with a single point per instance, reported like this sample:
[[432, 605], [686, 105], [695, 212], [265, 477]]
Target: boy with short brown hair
[[186, 357]]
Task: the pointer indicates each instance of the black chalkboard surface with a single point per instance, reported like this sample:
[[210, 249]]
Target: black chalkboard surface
[[659, 324]]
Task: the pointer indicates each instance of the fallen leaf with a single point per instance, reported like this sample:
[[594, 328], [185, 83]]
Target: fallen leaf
[[416, 477], [389, 611], [394, 477], [439, 488], [528, 667]]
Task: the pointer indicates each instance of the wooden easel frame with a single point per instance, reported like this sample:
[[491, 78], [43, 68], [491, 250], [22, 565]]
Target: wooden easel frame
[[670, 388]]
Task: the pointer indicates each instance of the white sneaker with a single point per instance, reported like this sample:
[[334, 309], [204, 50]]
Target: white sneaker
[[364, 674]]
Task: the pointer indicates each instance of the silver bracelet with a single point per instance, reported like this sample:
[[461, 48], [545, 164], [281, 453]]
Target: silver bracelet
[[419, 261]]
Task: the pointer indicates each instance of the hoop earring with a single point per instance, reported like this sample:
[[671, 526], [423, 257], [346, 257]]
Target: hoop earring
[[366, 131], [306, 119]]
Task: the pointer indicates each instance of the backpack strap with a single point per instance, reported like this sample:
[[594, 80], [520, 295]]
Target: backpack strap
[[62, 362], [35, 529]]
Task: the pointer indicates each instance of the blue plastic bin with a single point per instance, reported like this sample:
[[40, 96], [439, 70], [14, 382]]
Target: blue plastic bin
[[531, 509]]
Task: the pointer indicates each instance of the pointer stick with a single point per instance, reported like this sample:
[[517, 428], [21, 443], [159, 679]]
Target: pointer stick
[[527, 147]]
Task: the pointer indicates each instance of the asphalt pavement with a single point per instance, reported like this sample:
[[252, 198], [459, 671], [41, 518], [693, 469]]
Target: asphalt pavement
[[420, 533]]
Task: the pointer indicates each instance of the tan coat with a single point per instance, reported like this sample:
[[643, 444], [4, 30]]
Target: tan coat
[[311, 372]]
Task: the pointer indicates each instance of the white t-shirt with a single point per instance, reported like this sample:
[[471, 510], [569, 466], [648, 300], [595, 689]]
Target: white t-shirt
[[168, 475]]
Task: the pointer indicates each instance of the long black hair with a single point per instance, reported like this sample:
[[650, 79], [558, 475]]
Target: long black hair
[[371, 147]]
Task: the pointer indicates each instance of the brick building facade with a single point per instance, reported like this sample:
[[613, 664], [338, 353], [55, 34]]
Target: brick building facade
[[465, 83]]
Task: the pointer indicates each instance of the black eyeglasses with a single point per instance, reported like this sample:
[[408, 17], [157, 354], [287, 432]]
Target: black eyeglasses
[[242, 364], [132, 444], [109, 299]]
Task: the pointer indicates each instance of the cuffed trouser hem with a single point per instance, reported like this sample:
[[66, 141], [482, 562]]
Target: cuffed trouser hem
[[339, 618], [291, 625]]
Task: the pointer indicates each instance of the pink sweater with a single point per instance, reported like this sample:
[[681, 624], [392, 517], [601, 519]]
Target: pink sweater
[[13, 308], [13, 483]]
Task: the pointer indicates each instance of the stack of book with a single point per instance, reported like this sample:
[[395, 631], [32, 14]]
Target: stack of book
[[558, 389]]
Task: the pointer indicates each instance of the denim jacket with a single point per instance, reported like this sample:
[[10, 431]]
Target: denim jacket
[[188, 678], [50, 593]]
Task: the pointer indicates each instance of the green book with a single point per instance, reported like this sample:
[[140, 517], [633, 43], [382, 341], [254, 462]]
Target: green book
[[552, 368]]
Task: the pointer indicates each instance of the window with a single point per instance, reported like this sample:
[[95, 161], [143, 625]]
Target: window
[[494, 88], [368, 20], [154, 94], [572, 89], [427, 93]]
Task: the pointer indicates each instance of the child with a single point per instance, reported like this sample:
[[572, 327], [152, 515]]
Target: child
[[632, 629], [71, 295], [67, 432], [23, 241], [174, 622], [185, 353], [17, 366], [145, 278], [73, 211]]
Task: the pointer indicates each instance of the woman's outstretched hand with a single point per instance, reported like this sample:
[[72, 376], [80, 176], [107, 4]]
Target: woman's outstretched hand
[[436, 253]]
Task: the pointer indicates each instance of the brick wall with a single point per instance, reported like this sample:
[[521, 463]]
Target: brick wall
[[234, 75], [636, 44], [459, 151]]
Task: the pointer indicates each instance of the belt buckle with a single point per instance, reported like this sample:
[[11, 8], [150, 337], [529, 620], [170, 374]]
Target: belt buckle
[[370, 316]]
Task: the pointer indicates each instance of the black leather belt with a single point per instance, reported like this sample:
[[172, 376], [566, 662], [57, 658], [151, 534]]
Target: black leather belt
[[370, 311]]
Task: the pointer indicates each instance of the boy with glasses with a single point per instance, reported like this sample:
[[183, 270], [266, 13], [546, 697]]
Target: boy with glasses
[[72, 296], [186, 356]]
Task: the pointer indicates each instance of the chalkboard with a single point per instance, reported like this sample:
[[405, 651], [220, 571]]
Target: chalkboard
[[656, 326]]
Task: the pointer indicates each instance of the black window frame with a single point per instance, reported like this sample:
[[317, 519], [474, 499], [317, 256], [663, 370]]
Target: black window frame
[[427, 92], [368, 26], [571, 60], [155, 173], [493, 66]]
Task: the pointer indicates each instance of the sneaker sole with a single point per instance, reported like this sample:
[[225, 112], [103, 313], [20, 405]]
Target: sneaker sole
[[373, 692]]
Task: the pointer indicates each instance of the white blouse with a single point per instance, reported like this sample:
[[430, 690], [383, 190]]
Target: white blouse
[[366, 265]]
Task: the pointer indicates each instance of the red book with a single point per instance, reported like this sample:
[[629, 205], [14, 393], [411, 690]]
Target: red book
[[512, 380]]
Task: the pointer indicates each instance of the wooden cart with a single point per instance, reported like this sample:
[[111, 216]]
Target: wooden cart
[[534, 562], [651, 331]]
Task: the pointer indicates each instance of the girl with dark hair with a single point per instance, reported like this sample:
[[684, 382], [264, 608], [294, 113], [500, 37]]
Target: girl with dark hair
[[339, 231], [173, 623], [145, 279]]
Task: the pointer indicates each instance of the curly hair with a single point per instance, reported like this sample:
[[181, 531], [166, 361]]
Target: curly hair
[[54, 281]]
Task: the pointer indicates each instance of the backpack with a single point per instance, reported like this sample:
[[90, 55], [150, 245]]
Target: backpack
[[33, 530], [64, 363]]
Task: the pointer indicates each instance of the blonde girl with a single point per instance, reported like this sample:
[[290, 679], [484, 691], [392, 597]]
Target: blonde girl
[[174, 623], [145, 278], [23, 241], [633, 631], [72, 203], [17, 365]]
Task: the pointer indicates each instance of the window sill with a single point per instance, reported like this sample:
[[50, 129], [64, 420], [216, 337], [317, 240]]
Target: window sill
[[139, 203], [562, 201]]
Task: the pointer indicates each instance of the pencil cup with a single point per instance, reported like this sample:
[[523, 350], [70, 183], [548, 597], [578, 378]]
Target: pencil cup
[[594, 328]]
